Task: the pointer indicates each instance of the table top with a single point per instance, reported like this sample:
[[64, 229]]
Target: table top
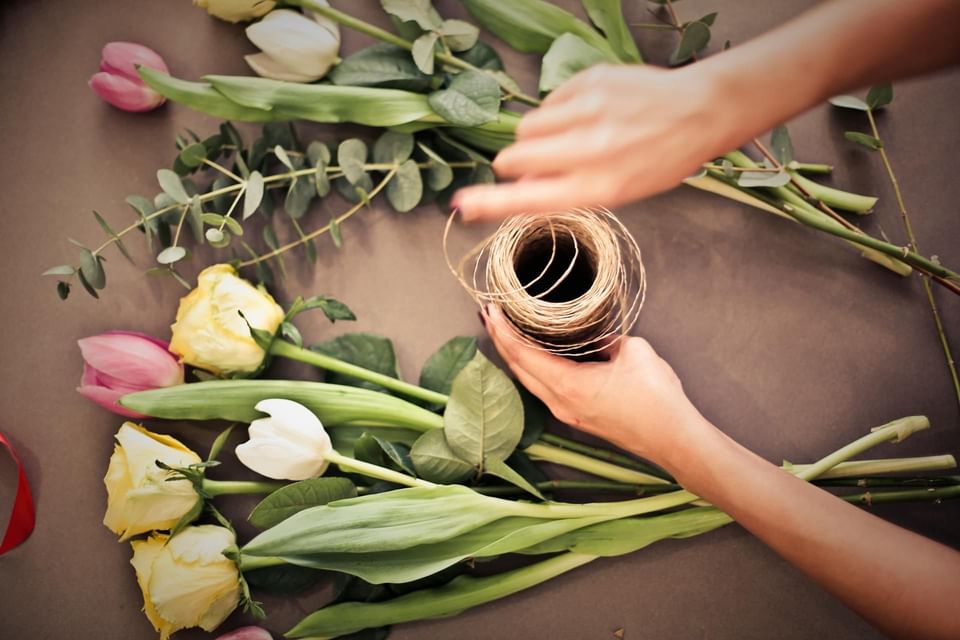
[[786, 339]]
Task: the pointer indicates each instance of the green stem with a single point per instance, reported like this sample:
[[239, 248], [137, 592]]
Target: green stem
[[811, 167], [887, 465], [285, 349], [252, 563], [604, 454], [580, 485], [600, 468], [911, 495], [941, 333], [834, 197], [915, 482], [375, 471], [215, 488]]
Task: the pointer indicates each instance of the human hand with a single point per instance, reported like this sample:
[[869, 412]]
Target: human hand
[[610, 135], [633, 400]]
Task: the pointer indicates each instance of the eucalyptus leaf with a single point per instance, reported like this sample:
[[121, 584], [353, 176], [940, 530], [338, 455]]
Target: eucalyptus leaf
[[300, 193], [864, 140], [392, 147], [91, 269], [172, 186], [86, 285], [171, 255], [709, 19], [406, 187], [352, 192], [335, 233], [696, 36], [195, 218], [439, 174], [382, 65], [608, 16], [471, 99], [782, 147], [459, 35], [293, 498], [849, 102], [435, 461], [116, 238], [317, 150], [214, 236], [366, 350], [412, 10], [351, 157], [422, 51], [62, 270], [253, 195], [63, 290], [567, 56], [193, 155], [880, 95], [282, 156], [443, 365], [483, 420], [763, 179]]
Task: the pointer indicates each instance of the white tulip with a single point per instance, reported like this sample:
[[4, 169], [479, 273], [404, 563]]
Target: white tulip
[[294, 47]]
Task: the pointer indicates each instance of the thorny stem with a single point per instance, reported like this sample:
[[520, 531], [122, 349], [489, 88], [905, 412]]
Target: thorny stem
[[941, 333]]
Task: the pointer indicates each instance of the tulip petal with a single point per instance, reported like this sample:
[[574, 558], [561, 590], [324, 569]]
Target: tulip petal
[[278, 460], [107, 398], [122, 58], [135, 361], [246, 633], [125, 94], [295, 42], [266, 67]]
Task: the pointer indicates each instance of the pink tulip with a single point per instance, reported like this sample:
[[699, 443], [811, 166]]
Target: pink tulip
[[116, 363], [247, 633], [118, 82]]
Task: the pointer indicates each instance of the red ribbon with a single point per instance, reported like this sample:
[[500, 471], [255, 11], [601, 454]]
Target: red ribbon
[[23, 517]]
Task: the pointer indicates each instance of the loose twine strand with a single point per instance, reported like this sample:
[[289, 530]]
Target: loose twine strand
[[589, 322]]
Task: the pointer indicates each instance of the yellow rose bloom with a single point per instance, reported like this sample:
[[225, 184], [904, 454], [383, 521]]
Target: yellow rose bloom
[[139, 496], [211, 334], [186, 580], [236, 10]]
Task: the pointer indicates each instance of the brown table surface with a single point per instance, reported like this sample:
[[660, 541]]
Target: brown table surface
[[786, 339]]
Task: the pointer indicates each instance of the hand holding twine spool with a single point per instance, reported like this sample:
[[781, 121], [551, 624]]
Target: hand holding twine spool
[[570, 283]]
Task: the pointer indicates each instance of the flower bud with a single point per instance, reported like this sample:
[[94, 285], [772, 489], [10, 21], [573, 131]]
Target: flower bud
[[118, 82], [186, 580], [291, 444], [236, 10], [211, 334], [116, 363], [293, 47], [246, 633], [140, 495]]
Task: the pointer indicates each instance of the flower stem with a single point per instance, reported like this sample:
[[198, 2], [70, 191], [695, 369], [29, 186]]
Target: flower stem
[[215, 488], [603, 454], [285, 349], [375, 471], [601, 468], [941, 333]]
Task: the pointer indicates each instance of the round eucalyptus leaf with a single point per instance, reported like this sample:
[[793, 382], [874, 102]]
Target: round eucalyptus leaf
[[392, 147], [406, 188], [214, 235], [171, 255], [351, 156], [849, 102]]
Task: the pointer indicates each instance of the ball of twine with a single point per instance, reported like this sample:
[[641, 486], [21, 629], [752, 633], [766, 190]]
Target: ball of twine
[[570, 283]]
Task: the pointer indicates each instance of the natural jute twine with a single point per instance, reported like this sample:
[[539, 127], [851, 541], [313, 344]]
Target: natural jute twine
[[570, 283]]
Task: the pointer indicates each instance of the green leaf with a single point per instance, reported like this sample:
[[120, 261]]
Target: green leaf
[[880, 96], [864, 139], [445, 363], [171, 255], [500, 469], [763, 179], [483, 421], [283, 580], [335, 233], [535, 416], [61, 270], [319, 156], [282, 156], [412, 11], [439, 175], [193, 155], [459, 35], [709, 19], [218, 444], [696, 36], [317, 150], [214, 236], [483, 56], [849, 102], [435, 461], [332, 308], [422, 51], [289, 331], [472, 99], [405, 188], [253, 195], [567, 56], [86, 285], [110, 232], [299, 195], [382, 65], [366, 350], [351, 156], [195, 218], [172, 186], [376, 450], [293, 498], [781, 145], [608, 16], [392, 147], [63, 290], [354, 193], [91, 269]]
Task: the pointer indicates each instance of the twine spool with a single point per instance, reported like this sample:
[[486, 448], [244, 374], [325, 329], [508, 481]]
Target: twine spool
[[570, 283]]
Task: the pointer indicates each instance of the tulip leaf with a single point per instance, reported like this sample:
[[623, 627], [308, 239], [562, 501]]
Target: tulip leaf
[[293, 498], [608, 16], [366, 350], [91, 269], [444, 364], [459, 34], [864, 140], [880, 95], [483, 420], [472, 99], [568, 55], [171, 255], [406, 188], [351, 157], [422, 51], [382, 65], [782, 147], [763, 179], [500, 469], [439, 174], [392, 147], [253, 195], [849, 102], [435, 461], [696, 36], [172, 186], [418, 11]]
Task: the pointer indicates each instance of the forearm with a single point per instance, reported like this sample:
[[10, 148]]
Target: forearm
[[899, 581], [836, 47]]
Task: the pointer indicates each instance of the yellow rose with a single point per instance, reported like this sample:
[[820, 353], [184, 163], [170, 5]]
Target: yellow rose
[[236, 10], [211, 334], [139, 496], [186, 580]]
